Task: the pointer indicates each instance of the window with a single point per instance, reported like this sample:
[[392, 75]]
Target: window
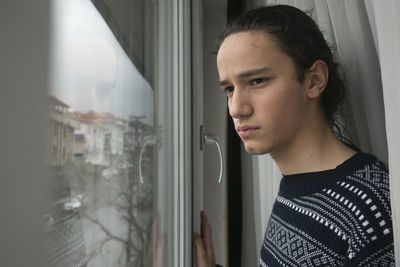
[[115, 197]]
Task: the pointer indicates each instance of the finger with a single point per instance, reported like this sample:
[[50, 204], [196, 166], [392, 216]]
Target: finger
[[154, 233], [205, 225], [160, 251], [207, 235], [200, 250]]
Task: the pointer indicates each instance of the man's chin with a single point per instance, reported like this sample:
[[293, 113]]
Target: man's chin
[[254, 150]]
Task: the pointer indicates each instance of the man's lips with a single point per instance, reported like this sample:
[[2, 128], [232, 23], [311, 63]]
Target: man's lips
[[246, 131]]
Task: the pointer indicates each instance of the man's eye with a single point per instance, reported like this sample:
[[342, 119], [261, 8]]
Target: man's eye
[[228, 89], [257, 81]]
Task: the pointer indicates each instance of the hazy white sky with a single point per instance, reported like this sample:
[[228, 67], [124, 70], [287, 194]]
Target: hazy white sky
[[89, 69]]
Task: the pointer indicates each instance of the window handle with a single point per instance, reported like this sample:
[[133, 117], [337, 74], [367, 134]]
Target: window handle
[[147, 140], [210, 139]]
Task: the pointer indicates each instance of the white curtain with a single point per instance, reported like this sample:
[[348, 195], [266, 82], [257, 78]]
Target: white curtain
[[365, 37], [387, 21]]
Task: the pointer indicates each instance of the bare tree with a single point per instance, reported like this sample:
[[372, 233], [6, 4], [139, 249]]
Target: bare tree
[[132, 201]]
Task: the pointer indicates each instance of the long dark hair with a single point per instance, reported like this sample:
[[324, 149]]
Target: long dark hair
[[299, 37]]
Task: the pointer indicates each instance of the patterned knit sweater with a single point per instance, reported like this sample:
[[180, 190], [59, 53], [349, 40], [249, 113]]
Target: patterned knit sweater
[[340, 217]]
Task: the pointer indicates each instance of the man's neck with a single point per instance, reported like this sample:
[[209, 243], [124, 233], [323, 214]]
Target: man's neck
[[314, 150]]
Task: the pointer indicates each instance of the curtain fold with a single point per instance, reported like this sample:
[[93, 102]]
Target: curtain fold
[[369, 79], [387, 21]]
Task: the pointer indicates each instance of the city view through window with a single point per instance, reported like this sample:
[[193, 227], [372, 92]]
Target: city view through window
[[100, 110]]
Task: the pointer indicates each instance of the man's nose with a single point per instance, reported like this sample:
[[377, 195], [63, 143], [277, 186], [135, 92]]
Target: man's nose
[[239, 104]]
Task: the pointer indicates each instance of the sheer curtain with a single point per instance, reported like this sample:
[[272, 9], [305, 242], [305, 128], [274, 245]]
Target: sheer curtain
[[388, 40], [365, 38]]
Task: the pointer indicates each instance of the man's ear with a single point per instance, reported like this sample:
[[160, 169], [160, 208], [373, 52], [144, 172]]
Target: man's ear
[[318, 78]]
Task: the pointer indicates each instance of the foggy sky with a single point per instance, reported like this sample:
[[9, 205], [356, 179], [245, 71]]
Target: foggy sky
[[89, 69]]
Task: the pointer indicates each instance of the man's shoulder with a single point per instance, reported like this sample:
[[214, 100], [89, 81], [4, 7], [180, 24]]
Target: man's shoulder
[[370, 177], [366, 200]]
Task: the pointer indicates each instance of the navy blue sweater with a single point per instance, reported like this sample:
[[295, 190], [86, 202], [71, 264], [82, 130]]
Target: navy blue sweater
[[339, 217]]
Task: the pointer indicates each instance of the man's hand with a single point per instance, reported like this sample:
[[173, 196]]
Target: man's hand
[[204, 248]]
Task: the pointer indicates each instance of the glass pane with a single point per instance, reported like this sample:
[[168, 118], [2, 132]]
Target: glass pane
[[111, 119]]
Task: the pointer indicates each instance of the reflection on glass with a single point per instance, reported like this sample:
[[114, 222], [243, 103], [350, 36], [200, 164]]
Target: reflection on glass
[[101, 108]]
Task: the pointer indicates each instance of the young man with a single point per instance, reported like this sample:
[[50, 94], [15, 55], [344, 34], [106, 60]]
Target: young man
[[283, 90]]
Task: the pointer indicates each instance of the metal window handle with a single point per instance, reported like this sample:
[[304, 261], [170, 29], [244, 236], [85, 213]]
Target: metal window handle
[[147, 140], [210, 139]]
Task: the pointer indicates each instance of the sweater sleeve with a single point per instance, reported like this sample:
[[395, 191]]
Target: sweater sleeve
[[379, 253]]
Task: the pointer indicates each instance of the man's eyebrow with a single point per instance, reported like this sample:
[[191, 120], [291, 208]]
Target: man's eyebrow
[[248, 73], [253, 72]]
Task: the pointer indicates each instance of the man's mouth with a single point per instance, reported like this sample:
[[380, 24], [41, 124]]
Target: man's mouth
[[246, 131]]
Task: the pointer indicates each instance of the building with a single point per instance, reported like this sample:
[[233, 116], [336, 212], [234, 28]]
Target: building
[[61, 137]]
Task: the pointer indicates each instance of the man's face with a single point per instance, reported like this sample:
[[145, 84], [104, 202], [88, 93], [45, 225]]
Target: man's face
[[265, 98]]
